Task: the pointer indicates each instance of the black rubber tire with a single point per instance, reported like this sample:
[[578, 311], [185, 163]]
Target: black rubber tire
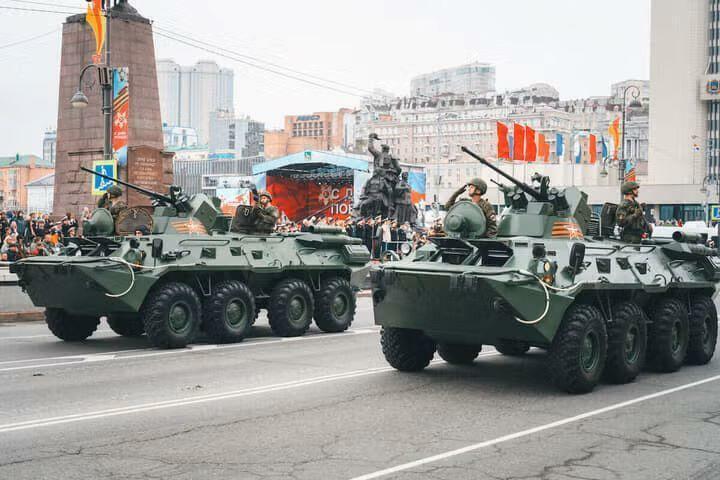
[[216, 324], [566, 352], [156, 311], [512, 348], [127, 325], [68, 327], [628, 323], [703, 330], [326, 318], [279, 309], [663, 355], [405, 349], [457, 354]]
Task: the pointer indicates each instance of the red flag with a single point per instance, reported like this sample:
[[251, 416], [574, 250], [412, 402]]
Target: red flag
[[543, 148], [503, 146], [593, 149], [530, 146], [519, 142]]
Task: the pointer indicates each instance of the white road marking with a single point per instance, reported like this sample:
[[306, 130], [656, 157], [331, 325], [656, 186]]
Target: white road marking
[[112, 356], [181, 402], [29, 337], [531, 431]]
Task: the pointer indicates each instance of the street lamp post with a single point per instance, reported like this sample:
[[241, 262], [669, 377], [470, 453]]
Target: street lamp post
[[441, 116], [79, 100], [635, 92]]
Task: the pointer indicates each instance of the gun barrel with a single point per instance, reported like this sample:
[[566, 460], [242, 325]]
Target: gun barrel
[[523, 186], [149, 193]]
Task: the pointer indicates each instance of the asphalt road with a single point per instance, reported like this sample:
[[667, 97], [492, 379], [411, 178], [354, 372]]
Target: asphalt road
[[329, 407]]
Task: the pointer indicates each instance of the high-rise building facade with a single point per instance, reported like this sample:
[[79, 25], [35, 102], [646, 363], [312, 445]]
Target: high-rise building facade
[[476, 77], [50, 147], [317, 131], [189, 94], [240, 137]]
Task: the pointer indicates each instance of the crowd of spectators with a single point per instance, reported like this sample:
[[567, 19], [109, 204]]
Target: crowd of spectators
[[379, 235], [32, 235]]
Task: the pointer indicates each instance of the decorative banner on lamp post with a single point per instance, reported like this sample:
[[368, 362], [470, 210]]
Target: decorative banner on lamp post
[[121, 115], [96, 20], [106, 167]]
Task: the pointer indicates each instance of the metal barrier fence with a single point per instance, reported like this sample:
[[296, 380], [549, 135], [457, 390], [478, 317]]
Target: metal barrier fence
[[189, 173]]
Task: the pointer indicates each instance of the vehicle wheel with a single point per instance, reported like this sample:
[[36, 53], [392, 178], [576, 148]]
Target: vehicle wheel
[[703, 330], [668, 335], [335, 306], [405, 349], [457, 354], [512, 348], [291, 308], [627, 343], [171, 315], [127, 325], [578, 352], [68, 327], [229, 312]]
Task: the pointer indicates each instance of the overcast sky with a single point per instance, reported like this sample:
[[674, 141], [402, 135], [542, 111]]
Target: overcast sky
[[579, 47]]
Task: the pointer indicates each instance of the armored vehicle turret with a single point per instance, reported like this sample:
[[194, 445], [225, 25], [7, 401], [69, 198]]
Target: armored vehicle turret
[[555, 278], [187, 272]]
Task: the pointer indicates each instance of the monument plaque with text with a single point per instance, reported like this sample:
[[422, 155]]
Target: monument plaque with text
[[145, 169]]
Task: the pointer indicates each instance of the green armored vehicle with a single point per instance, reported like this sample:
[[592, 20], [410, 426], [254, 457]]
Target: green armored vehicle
[[192, 272], [554, 277]]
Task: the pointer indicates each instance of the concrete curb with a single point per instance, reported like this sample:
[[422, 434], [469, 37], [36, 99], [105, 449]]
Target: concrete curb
[[17, 317]]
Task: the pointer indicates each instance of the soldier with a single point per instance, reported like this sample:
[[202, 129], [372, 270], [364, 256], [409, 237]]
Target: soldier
[[267, 214], [476, 188], [112, 200], [630, 216]]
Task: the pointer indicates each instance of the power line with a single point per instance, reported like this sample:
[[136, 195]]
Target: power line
[[256, 59], [47, 4], [20, 42], [23, 9], [260, 67]]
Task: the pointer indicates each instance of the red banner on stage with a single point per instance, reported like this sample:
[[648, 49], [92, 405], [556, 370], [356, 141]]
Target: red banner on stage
[[298, 200]]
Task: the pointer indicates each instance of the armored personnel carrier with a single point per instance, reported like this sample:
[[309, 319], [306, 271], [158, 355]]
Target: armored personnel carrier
[[191, 273], [553, 278]]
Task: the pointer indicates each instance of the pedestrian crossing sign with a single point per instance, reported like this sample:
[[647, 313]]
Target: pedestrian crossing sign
[[108, 168], [715, 213]]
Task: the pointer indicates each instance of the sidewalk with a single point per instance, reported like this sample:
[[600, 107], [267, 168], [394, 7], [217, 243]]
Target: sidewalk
[[15, 305]]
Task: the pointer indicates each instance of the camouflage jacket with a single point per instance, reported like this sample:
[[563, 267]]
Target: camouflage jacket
[[266, 219], [117, 207], [631, 217], [487, 208]]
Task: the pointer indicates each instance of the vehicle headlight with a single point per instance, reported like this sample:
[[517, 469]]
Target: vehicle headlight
[[405, 248]]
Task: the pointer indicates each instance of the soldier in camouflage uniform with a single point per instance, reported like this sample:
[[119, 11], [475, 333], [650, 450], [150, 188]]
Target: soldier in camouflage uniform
[[630, 215], [267, 214], [112, 200], [476, 188]]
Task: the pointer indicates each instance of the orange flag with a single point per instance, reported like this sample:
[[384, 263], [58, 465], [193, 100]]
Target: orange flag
[[530, 146], [96, 20], [593, 149], [614, 131], [503, 146], [519, 142], [543, 148]]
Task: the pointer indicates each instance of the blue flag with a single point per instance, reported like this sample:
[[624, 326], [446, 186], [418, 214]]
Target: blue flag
[[511, 142], [604, 148], [559, 146]]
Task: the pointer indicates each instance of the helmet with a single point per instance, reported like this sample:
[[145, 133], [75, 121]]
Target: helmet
[[114, 191], [628, 187], [479, 183], [265, 193]]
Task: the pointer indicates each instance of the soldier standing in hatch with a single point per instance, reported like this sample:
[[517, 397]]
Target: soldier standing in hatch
[[267, 214], [476, 188], [112, 200], [630, 215]]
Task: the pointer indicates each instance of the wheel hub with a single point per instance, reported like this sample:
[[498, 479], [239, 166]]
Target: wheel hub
[[589, 355], [632, 345], [179, 317], [340, 305], [235, 313], [676, 336], [297, 308]]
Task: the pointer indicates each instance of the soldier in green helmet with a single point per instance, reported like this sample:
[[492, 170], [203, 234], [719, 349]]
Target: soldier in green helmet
[[476, 188], [630, 215], [267, 214], [112, 200]]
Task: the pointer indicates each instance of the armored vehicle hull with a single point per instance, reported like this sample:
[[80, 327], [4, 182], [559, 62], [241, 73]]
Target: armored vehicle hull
[[602, 308]]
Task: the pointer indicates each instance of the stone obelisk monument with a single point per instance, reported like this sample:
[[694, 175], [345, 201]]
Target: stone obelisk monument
[[80, 132]]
